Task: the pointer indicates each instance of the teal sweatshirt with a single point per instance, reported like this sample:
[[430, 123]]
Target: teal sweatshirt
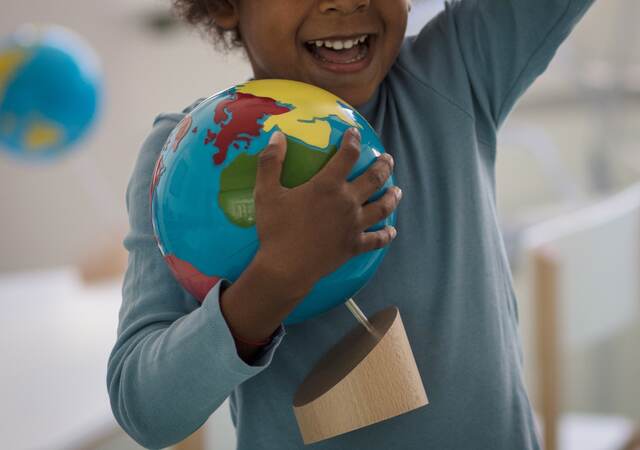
[[437, 112]]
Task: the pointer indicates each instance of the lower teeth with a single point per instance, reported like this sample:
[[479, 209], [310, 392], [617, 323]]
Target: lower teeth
[[359, 57]]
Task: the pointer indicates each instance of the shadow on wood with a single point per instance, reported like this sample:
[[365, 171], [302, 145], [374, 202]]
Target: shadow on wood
[[361, 381]]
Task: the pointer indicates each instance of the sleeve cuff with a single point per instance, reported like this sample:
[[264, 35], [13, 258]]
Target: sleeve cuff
[[226, 347]]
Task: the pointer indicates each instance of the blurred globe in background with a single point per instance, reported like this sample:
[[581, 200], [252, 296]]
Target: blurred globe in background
[[50, 91], [201, 193]]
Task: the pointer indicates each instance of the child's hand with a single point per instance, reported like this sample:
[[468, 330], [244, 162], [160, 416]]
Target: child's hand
[[309, 231]]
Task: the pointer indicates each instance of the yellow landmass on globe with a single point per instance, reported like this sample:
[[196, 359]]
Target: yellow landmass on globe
[[311, 106], [10, 60], [41, 135]]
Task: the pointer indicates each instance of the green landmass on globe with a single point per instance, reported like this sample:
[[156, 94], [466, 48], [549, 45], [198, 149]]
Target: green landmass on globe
[[238, 180]]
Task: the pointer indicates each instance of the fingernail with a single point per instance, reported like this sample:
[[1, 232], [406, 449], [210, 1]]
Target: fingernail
[[393, 232], [274, 137], [398, 192], [355, 133]]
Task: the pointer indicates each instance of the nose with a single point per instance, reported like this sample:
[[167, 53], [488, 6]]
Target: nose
[[343, 6]]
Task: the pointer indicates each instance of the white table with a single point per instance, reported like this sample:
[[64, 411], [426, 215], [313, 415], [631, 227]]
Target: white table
[[56, 334], [55, 339]]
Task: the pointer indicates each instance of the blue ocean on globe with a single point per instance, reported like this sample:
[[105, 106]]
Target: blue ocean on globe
[[50, 91], [202, 188]]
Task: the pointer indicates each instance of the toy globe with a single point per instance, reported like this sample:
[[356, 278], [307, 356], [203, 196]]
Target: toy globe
[[50, 88], [202, 189]]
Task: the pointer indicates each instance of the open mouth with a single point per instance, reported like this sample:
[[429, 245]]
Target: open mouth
[[336, 52]]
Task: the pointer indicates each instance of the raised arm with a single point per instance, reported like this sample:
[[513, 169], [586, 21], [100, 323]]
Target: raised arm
[[507, 44], [497, 47], [174, 362]]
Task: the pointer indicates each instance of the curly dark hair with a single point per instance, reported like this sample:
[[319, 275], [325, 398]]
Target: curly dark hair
[[198, 13]]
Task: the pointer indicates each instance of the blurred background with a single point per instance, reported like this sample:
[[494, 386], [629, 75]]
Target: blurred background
[[568, 169]]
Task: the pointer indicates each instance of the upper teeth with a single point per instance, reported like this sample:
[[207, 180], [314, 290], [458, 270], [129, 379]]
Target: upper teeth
[[339, 45]]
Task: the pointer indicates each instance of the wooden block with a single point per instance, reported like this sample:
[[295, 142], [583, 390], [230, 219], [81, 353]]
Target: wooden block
[[197, 441], [361, 381], [105, 261]]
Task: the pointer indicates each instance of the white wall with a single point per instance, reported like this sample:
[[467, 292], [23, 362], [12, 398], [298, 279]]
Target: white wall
[[52, 215]]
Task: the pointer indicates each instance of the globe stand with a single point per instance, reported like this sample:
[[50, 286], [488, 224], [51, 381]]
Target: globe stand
[[369, 376]]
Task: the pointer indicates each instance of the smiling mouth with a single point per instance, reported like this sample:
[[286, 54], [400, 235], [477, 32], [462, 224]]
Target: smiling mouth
[[340, 51]]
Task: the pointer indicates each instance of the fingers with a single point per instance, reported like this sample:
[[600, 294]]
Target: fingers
[[373, 178], [374, 212], [373, 240], [270, 164], [340, 165]]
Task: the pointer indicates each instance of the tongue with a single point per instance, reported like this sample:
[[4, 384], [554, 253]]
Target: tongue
[[338, 56]]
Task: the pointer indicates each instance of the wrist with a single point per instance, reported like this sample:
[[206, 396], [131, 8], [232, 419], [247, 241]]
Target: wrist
[[257, 302], [288, 286]]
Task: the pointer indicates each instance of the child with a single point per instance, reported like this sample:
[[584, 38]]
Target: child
[[437, 101]]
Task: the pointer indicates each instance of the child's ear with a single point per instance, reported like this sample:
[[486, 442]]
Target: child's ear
[[224, 13]]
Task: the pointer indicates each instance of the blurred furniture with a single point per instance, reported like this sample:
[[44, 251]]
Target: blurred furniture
[[218, 433], [55, 338], [105, 260], [56, 334], [584, 266], [197, 441]]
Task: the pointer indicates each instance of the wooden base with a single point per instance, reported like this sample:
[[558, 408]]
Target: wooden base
[[361, 381]]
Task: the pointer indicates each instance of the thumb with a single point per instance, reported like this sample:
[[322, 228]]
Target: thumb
[[270, 163]]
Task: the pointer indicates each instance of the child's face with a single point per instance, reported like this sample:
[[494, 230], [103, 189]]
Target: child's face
[[281, 37]]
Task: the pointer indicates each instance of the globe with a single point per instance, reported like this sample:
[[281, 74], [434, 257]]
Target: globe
[[50, 86], [201, 192]]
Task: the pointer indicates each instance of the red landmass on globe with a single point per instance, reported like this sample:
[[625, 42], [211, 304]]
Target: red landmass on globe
[[157, 172], [243, 126], [195, 282], [185, 125]]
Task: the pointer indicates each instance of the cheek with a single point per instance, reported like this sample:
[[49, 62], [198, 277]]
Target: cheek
[[277, 43], [396, 24], [275, 58], [396, 14], [264, 36]]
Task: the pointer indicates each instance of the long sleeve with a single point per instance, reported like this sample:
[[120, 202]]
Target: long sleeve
[[491, 50], [174, 362]]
